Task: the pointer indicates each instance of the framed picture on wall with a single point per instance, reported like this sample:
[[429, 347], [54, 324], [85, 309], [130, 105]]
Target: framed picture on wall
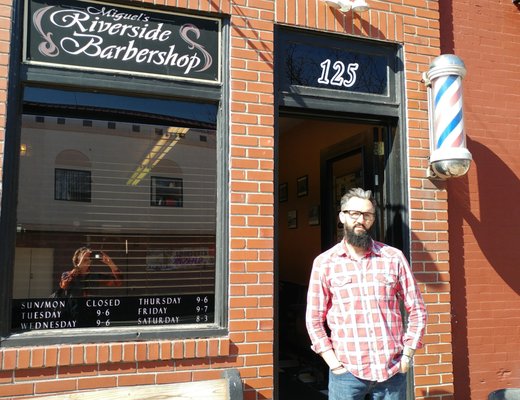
[[302, 186], [292, 219], [283, 192], [314, 215]]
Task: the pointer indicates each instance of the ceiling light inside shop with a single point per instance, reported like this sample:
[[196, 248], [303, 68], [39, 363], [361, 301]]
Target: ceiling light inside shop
[[163, 146]]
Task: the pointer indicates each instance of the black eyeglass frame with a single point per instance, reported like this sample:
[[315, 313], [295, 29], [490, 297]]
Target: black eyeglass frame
[[354, 214]]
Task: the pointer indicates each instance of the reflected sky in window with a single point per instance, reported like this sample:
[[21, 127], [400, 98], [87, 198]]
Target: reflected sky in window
[[201, 112]]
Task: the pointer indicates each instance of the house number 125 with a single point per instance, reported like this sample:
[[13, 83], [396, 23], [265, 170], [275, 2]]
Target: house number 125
[[338, 78]]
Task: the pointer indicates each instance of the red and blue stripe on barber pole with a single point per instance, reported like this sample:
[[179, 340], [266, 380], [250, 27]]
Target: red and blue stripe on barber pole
[[448, 117]]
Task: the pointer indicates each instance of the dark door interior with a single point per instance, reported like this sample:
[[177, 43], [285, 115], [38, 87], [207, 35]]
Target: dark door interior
[[319, 161]]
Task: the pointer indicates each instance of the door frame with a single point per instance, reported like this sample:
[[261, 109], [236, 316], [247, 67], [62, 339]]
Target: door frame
[[389, 112]]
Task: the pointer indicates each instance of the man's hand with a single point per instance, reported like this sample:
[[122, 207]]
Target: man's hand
[[339, 370], [332, 361], [405, 364], [406, 359]]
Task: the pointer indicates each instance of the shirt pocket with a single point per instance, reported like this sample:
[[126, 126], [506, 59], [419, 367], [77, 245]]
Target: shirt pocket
[[341, 287], [340, 281], [386, 285]]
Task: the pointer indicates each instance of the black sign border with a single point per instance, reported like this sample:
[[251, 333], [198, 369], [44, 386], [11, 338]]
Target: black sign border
[[25, 46], [389, 50]]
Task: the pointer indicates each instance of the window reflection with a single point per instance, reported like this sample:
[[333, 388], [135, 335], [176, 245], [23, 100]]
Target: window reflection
[[139, 187], [130, 108]]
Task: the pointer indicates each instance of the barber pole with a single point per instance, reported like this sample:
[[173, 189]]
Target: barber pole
[[447, 136]]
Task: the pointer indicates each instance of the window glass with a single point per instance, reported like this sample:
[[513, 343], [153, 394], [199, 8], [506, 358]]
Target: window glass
[[116, 217]]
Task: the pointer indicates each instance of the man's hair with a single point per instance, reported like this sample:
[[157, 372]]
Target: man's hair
[[78, 255], [359, 193]]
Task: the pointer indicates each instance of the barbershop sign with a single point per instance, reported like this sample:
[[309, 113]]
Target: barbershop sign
[[113, 38]]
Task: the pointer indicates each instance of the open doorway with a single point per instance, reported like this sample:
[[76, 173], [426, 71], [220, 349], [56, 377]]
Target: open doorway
[[318, 161]]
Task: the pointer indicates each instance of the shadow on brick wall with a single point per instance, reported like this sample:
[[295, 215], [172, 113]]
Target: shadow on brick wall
[[492, 215]]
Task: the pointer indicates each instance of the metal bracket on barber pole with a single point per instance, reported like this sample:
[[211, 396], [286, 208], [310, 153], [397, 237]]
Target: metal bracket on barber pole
[[449, 157]]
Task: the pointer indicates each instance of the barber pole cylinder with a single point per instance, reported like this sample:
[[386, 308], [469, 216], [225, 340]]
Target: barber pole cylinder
[[449, 156]]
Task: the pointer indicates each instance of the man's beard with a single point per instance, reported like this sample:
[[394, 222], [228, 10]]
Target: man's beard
[[362, 240]]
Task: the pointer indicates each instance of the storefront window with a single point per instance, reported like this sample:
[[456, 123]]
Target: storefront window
[[117, 210]]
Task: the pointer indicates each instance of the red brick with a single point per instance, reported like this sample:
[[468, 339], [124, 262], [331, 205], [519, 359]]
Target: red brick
[[9, 359], [64, 355], [77, 371], [116, 352], [33, 374], [51, 356], [155, 366], [189, 348], [173, 377], [117, 368], [21, 389], [258, 360], [91, 356], [37, 357], [55, 386], [134, 380], [78, 355], [201, 348], [178, 349], [206, 375], [23, 359], [97, 382], [6, 377]]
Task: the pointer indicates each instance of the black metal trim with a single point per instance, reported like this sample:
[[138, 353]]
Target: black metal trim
[[9, 188]]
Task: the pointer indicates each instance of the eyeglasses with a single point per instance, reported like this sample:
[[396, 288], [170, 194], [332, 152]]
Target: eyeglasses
[[367, 216]]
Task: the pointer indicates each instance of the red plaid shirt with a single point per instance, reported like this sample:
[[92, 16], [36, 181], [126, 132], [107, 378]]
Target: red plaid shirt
[[360, 301]]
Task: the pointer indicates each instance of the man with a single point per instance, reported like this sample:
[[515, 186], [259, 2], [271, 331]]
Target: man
[[79, 280], [356, 287]]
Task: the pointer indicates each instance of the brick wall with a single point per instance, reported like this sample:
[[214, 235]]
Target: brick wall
[[249, 346], [483, 207], [42, 370]]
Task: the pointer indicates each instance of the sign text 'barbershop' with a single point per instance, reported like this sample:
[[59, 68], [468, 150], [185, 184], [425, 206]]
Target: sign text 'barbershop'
[[95, 36]]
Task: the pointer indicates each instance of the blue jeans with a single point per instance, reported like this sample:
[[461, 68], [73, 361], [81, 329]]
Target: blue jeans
[[348, 387]]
